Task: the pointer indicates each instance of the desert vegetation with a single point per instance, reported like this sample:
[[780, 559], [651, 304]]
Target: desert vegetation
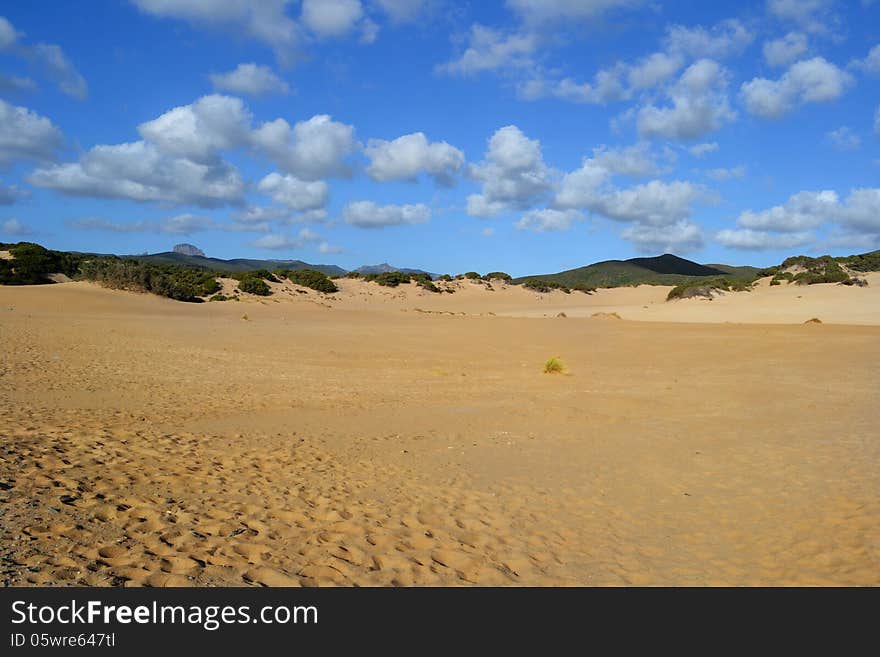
[[311, 279]]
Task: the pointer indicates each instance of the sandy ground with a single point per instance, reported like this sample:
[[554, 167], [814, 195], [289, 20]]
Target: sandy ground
[[356, 440]]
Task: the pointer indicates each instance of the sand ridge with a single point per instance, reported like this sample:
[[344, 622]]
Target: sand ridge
[[149, 442]]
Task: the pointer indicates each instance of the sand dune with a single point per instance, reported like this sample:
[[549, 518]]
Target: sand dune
[[398, 437]]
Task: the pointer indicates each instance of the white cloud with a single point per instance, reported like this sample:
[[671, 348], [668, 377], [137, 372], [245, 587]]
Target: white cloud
[[406, 157], [278, 242], [759, 240], [10, 194], [699, 150], [15, 85], [785, 50], [331, 18], [844, 139], [680, 237], [294, 193], [48, 57], [312, 149], [8, 34], [699, 105], [55, 65], [25, 135], [729, 37], [546, 220], [265, 21], [260, 214], [250, 79], [487, 232], [327, 248], [490, 49], [403, 11], [810, 15], [513, 174], [199, 130], [861, 211], [15, 226], [139, 171], [803, 211], [871, 63], [182, 224], [721, 174], [366, 214], [582, 188], [555, 11], [637, 161], [655, 203], [652, 70], [809, 81]]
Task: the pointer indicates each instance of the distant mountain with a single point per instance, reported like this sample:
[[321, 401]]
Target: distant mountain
[[385, 267], [666, 269], [234, 265], [188, 249]]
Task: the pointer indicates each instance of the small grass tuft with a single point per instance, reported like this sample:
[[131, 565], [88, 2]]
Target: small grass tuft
[[553, 366], [246, 318]]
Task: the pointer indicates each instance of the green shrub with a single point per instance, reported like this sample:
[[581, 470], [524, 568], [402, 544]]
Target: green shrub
[[388, 278], [586, 289], [253, 285], [312, 279], [172, 281], [541, 285], [221, 297], [354, 274], [499, 275], [704, 287], [471, 275], [445, 277], [553, 366]]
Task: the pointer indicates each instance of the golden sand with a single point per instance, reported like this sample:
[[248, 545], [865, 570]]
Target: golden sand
[[397, 437]]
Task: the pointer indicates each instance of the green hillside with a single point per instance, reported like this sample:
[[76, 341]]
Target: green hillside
[[666, 269], [234, 265]]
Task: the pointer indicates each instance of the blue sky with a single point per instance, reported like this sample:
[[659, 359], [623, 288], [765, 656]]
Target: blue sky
[[529, 136]]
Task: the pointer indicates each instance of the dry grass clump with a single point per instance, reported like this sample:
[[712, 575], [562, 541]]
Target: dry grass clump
[[554, 366]]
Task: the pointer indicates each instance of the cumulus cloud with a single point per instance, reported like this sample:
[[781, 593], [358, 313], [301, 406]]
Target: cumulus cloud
[[15, 226], [729, 37], [327, 248], [26, 135], [791, 224], [760, 240], [722, 173], [547, 220], [312, 149], [785, 50], [539, 12], [680, 237], [637, 161], [277, 242], [699, 150], [47, 57], [810, 15], [489, 49], [8, 34], [265, 21], [404, 11], [182, 224], [10, 194], [655, 203], [198, 131], [699, 105], [844, 139], [809, 81], [13, 84], [336, 18], [294, 193], [513, 174], [803, 211], [139, 171], [406, 157], [871, 63], [366, 214], [250, 79], [58, 68]]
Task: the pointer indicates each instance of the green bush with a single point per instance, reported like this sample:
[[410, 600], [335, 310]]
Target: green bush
[[499, 275], [553, 366], [703, 287], [221, 297], [354, 274], [32, 264], [172, 281], [312, 279], [253, 285], [541, 285], [471, 275], [445, 277], [388, 278]]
